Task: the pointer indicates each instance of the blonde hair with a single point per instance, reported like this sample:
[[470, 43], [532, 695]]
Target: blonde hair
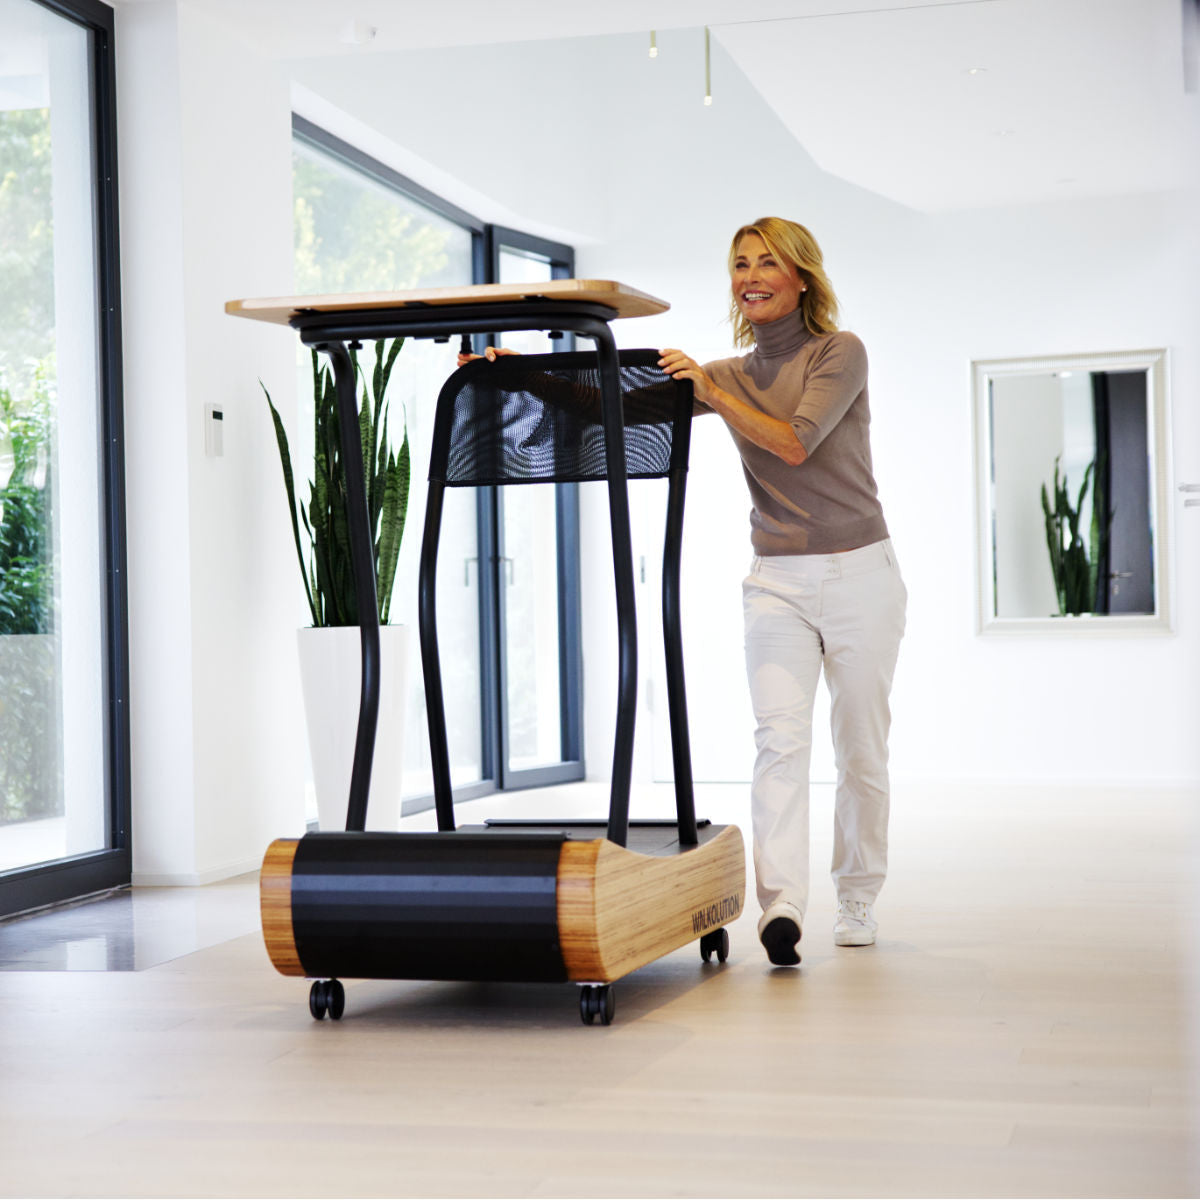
[[793, 244]]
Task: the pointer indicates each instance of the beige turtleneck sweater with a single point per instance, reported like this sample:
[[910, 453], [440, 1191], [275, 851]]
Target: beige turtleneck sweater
[[818, 384]]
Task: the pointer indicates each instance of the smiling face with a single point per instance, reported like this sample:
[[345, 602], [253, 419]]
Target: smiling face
[[765, 286]]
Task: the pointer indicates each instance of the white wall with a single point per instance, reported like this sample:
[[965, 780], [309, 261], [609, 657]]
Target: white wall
[[205, 164], [649, 184], [657, 182], [1112, 274]]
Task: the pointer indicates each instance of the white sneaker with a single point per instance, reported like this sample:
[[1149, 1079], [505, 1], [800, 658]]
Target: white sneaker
[[856, 924], [779, 932]]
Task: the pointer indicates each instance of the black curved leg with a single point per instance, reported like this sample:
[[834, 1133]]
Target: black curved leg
[[435, 705], [685, 803], [618, 504], [362, 559]]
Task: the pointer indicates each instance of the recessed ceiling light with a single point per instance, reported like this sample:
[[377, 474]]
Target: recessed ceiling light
[[1005, 133], [977, 70]]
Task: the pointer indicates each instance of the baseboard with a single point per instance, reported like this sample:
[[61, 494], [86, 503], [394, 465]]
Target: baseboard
[[196, 878]]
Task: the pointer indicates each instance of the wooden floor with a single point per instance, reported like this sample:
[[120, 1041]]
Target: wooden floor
[[1025, 1027]]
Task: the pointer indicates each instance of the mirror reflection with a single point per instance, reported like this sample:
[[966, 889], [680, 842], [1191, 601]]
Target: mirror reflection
[[1069, 496]]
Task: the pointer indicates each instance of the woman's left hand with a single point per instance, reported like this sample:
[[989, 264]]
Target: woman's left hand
[[491, 354], [680, 366], [769, 432]]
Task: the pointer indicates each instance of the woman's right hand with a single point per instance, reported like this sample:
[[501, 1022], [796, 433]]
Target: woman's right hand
[[491, 354], [681, 366]]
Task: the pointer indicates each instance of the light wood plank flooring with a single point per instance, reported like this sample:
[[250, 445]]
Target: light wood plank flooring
[[1025, 1027]]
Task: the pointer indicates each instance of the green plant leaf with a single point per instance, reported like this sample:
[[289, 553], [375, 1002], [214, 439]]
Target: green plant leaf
[[328, 576], [395, 510], [1073, 572], [285, 460]]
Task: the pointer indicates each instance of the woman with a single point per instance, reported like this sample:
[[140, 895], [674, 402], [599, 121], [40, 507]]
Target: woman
[[824, 590]]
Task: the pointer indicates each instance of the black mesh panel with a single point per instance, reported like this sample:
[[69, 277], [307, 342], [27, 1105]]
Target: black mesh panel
[[537, 419]]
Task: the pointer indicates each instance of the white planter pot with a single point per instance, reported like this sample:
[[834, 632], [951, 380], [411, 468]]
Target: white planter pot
[[331, 677]]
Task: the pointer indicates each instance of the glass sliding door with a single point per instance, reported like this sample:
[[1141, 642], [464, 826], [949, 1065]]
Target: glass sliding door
[[64, 791]]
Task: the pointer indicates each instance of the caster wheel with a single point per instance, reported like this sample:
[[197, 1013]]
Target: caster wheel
[[316, 1000], [606, 1005], [335, 999], [716, 942], [327, 996], [597, 1000]]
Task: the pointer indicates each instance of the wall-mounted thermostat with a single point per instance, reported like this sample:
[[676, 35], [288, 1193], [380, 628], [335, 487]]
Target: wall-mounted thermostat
[[214, 421]]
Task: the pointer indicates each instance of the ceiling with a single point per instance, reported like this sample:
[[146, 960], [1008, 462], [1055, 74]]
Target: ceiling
[[935, 104]]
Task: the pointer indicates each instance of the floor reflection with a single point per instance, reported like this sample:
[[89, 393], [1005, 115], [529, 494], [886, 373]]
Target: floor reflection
[[132, 929]]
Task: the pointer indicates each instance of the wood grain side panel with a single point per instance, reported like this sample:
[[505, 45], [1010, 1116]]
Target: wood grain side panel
[[275, 899], [646, 907], [577, 909]]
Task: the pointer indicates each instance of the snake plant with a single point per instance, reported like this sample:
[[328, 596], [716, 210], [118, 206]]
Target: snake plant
[[326, 571], [1074, 575]]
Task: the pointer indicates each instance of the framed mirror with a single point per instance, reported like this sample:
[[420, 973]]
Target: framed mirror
[[1071, 465]]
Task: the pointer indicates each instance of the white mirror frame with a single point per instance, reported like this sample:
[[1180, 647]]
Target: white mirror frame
[[983, 371]]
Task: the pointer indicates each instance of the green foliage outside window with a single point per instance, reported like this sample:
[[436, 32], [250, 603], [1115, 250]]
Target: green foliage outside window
[[30, 771], [353, 236], [26, 247], [26, 559]]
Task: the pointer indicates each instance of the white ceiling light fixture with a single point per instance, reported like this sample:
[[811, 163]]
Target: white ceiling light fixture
[[1191, 45], [653, 45], [707, 68]]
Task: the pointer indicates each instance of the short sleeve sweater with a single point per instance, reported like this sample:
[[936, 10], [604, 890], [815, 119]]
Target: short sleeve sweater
[[818, 384]]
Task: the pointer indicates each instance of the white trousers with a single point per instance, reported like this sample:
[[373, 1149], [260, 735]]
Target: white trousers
[[843, 612]]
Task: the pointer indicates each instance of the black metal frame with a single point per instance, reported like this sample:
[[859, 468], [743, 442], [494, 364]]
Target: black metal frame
[[81, 875], [439, 480], [335, 334]]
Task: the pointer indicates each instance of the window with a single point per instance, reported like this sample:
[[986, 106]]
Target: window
[[503, 564], [64, 789]]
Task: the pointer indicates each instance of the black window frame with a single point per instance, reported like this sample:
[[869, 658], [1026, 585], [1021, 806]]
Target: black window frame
[[571, 767], [24, 889]]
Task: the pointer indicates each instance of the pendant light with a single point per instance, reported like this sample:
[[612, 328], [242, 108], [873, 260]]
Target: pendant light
[[707, 68]]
